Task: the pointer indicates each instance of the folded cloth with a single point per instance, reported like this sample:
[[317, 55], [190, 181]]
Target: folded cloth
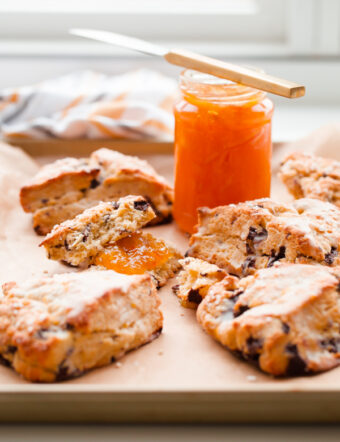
[[86, 104]]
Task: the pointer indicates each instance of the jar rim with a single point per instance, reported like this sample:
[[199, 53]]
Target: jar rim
[[211, 88]]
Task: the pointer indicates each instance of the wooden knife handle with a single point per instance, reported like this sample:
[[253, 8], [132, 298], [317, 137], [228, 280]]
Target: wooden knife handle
[[238, 74]]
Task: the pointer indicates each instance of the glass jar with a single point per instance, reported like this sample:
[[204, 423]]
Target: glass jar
[[222, 145]]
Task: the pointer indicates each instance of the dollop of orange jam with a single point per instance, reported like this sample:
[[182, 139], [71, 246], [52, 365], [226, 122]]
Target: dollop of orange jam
[[134, 254]]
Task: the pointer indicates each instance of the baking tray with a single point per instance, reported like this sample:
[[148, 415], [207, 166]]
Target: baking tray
[[183, 376]]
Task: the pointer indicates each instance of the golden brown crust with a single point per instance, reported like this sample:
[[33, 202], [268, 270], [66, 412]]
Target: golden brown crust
[[306, 175], [244, 237], [58, 327], [79, 240], [286, 318]]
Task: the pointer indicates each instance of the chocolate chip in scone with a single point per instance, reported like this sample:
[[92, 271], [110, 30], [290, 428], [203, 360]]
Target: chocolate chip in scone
[[106, 218], [275, 257], [248, 263], [141, 205], [253, 347], [115, 205], [67, 247], [285, 328], [44, 200], [249, 249], [194, 296], [37, 229], [62, 374], [5, 361], [86, 232], [69, 326], [154, 208], [329, 257], [11, 349], [94, 183], [332, 345], [257, 236], [175, 289], [157, 283], [41, 334], [296, 365], [236, 294], [241, 309], [228, 313]]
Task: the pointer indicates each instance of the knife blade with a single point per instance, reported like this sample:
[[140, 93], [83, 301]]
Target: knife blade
[[181, 57], [120, 40]]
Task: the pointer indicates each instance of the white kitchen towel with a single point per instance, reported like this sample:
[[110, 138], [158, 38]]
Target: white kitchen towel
[[87, 104]]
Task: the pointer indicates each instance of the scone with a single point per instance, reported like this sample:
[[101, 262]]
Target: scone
[[252, 235], [306, 175], [194, 280], [64, 180], [107, 235], [285, 318], [58, 327], [78, 241], [63, 189]]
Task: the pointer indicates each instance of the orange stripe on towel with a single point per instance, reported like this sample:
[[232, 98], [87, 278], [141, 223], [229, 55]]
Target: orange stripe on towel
[[103, 129], [12, 99], [158, 125], [73, 103], [111, 109]]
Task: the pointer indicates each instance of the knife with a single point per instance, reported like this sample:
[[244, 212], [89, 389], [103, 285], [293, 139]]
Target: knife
[[181, 57]]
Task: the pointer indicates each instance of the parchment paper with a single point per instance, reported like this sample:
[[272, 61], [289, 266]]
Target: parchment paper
[[183, 358]]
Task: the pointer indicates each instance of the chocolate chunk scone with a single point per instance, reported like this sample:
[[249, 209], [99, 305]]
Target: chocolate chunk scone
[[285, 318], [307, 175], [79, 240], [252, 235], [63, 189], [107, 235], [194, 280], [59, 327]]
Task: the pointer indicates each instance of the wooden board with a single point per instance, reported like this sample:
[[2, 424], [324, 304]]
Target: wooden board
[[183, 376], [82, 147]]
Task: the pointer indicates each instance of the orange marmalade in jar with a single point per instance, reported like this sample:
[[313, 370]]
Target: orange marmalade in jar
[[222, 145]]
